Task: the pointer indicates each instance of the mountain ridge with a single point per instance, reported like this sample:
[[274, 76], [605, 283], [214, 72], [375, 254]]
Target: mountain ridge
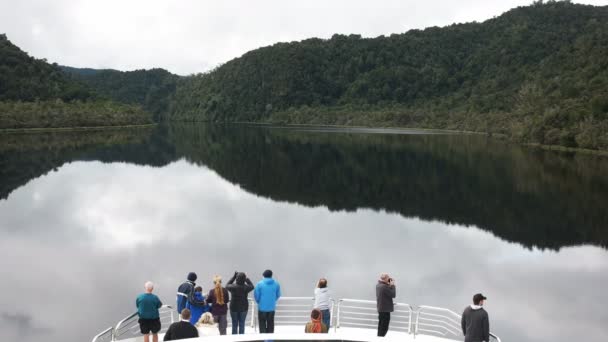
[[535, 74]]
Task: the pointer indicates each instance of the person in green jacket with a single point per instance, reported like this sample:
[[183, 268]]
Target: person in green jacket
[[149, 317]]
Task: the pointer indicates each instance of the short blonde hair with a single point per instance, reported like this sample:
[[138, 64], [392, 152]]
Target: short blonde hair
[[149, 286]]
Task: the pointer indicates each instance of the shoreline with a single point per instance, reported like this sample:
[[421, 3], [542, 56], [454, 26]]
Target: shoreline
[[68, 129], [498, 136]]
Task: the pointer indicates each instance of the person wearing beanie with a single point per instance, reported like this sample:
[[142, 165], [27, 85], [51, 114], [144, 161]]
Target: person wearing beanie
[[315, 326], [267, 292], [239, 305], [185, 292], [475, 322]]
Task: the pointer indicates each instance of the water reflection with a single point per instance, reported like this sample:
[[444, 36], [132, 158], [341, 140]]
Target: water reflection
[[79, 241]]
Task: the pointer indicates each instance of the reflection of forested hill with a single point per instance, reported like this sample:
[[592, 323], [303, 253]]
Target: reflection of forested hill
[[24, 157], [535, 198]]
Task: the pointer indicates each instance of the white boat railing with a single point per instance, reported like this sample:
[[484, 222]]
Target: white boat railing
[[354, 313], [431, 320], [358, 313]]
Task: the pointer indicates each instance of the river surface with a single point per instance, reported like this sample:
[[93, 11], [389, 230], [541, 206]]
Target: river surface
[[87, 217]]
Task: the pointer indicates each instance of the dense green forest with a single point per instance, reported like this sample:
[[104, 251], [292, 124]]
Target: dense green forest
[[536, 74], [151, 89], [36, 94]]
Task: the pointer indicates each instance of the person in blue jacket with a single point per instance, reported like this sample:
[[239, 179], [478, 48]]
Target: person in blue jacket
[[185, 292], [197, 307], [267, 292]]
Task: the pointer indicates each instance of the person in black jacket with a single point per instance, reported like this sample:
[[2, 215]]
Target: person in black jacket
[[385, 292], [475, 321], [182, 329], [239, 304]]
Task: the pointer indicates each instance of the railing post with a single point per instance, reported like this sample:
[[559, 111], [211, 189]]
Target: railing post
[[409, 320], [417, 312], [338, 316]]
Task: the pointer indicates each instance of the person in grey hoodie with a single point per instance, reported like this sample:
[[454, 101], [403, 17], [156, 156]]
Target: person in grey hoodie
[[385, 292], [475, 321], [322, 301]]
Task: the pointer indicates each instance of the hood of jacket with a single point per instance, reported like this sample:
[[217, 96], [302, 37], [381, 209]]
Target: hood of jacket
[[476, 307], [199, 296], [268, 281]]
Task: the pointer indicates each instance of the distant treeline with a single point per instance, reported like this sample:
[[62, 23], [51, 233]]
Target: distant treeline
[[151, 89], [536, 74]]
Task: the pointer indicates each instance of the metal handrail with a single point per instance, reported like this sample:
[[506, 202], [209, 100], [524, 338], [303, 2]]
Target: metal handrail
[[118, 330], [353, 312], [99, 336], [449, 325], [303, 314], [370, 318]]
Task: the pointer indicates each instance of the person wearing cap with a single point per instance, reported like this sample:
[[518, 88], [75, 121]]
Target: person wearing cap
[[267, 292], [385, 292], [475, 321], [185, 292]]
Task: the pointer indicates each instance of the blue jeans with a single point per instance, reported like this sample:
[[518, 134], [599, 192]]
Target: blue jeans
[[326, 318], [238, 320]]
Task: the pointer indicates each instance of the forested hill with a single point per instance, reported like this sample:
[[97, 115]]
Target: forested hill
[[36, 94], [150, 89], [25, 78], [536, 74]]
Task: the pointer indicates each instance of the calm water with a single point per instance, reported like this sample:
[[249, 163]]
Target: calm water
[[86, 218]]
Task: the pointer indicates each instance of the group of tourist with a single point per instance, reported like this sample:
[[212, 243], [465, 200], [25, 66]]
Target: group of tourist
[[203, 316]]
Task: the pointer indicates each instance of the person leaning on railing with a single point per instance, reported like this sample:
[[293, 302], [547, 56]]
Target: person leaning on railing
[[316, 326], [385, 292]]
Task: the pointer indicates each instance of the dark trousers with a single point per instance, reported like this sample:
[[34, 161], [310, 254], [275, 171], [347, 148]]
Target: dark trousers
[[383, 319], [238, 322], [266, 322]]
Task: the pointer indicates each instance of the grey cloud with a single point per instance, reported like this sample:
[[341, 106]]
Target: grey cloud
[[194, 36]]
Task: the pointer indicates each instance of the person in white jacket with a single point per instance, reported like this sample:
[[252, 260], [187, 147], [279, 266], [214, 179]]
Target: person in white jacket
[[323, 301], [206, 326]]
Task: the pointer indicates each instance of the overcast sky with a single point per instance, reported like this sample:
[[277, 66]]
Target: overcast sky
[[189, 36]]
